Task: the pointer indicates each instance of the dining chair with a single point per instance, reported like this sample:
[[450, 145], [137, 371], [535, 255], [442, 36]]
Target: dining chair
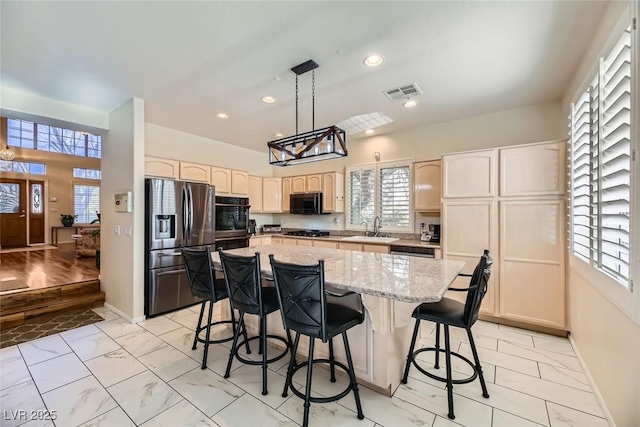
[[248, 295], [205, 285], [303, 295], [449, 312]]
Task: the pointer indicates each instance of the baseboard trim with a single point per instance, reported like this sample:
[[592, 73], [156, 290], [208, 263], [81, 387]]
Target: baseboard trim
[[123, 314], [607, 414]]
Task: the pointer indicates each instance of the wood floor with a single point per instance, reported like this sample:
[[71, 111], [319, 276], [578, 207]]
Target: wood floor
[[48, 267]]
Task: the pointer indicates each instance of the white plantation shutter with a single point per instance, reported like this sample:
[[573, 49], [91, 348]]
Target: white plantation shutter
[[580, 168], [361, 195], [86, 202], [600, 165], [395, 196], [615, 168]]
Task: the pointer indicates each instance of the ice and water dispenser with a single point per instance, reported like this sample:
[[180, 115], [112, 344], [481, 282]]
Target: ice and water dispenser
[[165, 226]]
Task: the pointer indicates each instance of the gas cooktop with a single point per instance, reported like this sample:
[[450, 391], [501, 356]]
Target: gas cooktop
[[307, 233]]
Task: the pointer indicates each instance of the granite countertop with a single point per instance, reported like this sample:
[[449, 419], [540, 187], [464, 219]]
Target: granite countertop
[[398, 277], [339, 238]]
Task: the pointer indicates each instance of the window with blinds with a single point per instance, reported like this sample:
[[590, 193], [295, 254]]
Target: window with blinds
[[86, 202], [600, 164], [383, 190]]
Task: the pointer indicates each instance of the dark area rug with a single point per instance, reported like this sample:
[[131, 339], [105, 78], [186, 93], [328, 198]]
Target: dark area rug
[[47, 325], [12, 285]]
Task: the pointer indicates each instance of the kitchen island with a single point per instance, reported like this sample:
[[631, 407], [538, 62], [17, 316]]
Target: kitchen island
[[391, 286]]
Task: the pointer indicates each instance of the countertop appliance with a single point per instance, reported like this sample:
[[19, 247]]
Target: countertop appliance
[[272, 228], [431, 233], [307, 233], [422, 252], [305, 203], [178, 213], [252, 226]]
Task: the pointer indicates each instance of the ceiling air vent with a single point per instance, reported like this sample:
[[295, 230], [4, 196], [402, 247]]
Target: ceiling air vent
[[403, 92]]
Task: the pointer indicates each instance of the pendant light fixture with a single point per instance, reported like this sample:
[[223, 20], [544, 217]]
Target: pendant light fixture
[[321, 144], [7, 153]]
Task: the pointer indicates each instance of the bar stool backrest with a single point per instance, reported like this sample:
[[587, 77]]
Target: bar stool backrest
[[243, 280], [197, 264], [301, 292], [477, 288]]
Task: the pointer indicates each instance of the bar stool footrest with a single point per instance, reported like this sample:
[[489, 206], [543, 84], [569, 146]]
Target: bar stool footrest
[[259, 362], [443, 379], [204, 328], [317, 399]]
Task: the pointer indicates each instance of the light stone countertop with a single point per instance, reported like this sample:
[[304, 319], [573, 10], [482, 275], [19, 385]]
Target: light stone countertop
[[339, 238], [397, 277]]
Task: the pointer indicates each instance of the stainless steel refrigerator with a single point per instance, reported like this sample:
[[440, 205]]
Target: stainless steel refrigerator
[[178, 213]]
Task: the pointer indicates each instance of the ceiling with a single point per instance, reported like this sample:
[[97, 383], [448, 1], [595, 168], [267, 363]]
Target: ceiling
[[191, 60]]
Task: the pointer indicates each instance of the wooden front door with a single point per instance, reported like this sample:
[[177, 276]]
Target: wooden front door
[[36, 212], [13, 212]]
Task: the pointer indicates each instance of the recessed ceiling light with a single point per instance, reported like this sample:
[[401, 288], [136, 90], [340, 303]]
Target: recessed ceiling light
[[369, 131], [278, 135], [268, 99], [222, 115], [373, 60], [410, 104]]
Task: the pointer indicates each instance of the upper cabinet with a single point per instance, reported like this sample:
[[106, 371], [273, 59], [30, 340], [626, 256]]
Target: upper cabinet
[[255, 194], [286, 192], [428, 182], [239, 182], [471, 174], [162, 168], [533, 170], [314, 183], [221, 178], [332, 192], [195, 172], [298, 184], [272, 195]]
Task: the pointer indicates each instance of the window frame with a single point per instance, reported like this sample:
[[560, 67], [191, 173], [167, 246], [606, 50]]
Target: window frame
[[84, 183], [377, 206]]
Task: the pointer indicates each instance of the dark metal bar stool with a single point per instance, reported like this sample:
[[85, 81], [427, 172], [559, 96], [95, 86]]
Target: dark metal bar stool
[[247, 295], [303, 301], [449, 312], [204, 284]]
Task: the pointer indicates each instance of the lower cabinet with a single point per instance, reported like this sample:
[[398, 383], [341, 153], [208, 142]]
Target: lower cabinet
[[350, 246], [379, 249], [325, 244]]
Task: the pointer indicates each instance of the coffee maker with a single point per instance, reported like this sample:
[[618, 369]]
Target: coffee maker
[[430, 233]]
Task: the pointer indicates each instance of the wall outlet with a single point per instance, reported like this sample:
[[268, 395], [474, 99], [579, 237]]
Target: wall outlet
[[128, 231], [116, 230]]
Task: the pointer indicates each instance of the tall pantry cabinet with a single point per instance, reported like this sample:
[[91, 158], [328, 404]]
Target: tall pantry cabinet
[[511, 201]]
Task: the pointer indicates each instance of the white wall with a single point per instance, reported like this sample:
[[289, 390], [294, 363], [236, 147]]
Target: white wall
[[606, 336], [122, 256]]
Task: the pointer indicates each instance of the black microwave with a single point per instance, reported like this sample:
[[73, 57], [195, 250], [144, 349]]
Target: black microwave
[[306, 203]]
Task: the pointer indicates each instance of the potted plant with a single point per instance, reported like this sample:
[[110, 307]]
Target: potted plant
[[67, 220], [95, 234]]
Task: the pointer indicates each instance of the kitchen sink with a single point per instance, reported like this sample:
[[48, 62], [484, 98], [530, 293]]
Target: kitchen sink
[[365, 239]]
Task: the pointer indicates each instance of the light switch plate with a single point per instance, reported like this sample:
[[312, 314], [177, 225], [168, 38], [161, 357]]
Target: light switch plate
[[116, 230]]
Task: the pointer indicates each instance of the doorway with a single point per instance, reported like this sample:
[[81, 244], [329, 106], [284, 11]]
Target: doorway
[[13, 212], [36, 212]]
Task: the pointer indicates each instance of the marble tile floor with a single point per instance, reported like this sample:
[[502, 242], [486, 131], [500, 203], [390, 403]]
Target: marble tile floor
[[114, 373]]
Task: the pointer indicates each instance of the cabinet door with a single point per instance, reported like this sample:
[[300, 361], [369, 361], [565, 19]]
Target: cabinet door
[[255, 194], [272, 194], [276, 240], [532, 272], [298, 184], [428, 183], [468, 229], [304, 242], [469, 174], [255, 241], [286, 192], [325, 244], [350, 246], [328, 192], [162, 168], [314, 183], [239, 182], [221, 178], [379, 249], [195, 172], [533, 170]]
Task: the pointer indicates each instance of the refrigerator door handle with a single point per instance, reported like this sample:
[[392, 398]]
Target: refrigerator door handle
[[190, 209], [185, 214]]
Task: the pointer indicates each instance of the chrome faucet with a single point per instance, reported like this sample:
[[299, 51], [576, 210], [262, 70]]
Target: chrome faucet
[[377, 225], [366, 228]]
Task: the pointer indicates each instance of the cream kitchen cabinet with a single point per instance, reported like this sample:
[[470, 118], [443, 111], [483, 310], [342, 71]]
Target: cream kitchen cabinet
[[287, 186], [161, 168], [259, 240], [272, 194], [427, 178], [256, 194], [314, 183], [533, 170], [350, 246], [325, 244], [304, 242], [470, 174], [298, 184], [239, 183], [194, 172], [276, 240], [221, 178], [532, 261], [379, 249], [333, 192]]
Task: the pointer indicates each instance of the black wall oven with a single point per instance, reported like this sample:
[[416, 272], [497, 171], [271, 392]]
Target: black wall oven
[[232, 217]]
